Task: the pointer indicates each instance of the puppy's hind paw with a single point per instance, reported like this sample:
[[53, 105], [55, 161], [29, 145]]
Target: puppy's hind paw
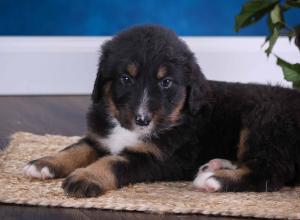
[[217, 164], [206, 182]]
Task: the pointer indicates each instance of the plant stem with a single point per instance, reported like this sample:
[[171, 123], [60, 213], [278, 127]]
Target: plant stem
[[297, 39]]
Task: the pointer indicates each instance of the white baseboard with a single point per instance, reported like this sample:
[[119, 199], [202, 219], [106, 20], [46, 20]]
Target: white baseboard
[[67, 65]]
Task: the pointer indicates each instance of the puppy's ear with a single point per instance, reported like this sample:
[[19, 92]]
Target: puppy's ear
[[198, 90], [101, 78], [98, 86]]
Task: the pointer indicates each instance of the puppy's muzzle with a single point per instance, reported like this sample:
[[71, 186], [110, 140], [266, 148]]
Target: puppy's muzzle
[[143, 119]]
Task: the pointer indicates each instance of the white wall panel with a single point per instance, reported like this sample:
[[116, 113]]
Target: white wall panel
[[67, 65]]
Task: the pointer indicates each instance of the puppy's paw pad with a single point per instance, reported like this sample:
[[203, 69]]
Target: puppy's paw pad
[[223, 164], [210, 166], [207, 182], [217, 164], [34, 172], [81, 186]]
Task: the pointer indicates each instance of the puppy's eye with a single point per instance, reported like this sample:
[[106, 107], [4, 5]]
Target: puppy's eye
[[126, 80], [166, 83]]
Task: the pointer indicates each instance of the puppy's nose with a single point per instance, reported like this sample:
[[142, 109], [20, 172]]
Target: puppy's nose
[[142, 119]]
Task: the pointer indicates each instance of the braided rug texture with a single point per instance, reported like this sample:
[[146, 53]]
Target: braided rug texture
[[163, 197]]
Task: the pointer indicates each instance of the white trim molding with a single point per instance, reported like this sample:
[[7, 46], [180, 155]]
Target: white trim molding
[[67, 65]]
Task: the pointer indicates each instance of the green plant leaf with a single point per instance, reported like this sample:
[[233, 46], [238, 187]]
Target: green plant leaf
[[297, 35], [252, 11], [272, 40], [291, 33], [275, 24], [291, 72], [292, 3], [296, 84], [270, 24], [275, 15]]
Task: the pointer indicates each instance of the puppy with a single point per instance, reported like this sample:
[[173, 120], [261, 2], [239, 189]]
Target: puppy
[[154, 117]]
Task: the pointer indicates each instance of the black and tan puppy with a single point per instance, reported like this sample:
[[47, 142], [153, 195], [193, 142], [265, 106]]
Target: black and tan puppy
[[155, 117]]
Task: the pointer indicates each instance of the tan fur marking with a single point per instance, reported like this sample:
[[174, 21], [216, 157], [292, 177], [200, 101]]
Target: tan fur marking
[[68, 160], [102, 171], [147, 148], [125, 115], [162, 72], [108, 97], [132, 70], [174, 116], [233, 175], [242, 147]]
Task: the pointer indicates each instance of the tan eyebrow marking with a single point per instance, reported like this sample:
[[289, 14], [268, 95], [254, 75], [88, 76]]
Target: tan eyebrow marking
[[132, 69], [162, 72]]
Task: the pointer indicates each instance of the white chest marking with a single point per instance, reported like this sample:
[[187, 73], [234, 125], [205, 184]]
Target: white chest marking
[[119, 139]]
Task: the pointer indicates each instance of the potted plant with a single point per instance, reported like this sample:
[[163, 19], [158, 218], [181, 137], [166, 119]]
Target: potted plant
[[254, 10]]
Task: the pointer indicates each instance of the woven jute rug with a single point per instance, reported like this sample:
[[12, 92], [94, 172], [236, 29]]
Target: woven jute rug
[[163, 197]]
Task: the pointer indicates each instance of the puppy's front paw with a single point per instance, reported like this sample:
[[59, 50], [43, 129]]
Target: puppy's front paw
[[205, 181], [81, 183], [40, 169]]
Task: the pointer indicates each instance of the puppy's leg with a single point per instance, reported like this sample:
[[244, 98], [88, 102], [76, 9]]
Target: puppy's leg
[[93, 180], [266, 156], [64, 162], [135, 164]]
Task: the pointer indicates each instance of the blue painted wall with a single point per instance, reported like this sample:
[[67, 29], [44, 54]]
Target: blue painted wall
[[106, 17]]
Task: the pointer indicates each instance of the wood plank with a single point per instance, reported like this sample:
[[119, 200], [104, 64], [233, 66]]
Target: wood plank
[[63, 115]]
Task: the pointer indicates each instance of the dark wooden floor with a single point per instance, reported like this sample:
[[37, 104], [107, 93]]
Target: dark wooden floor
[[64, 115]]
